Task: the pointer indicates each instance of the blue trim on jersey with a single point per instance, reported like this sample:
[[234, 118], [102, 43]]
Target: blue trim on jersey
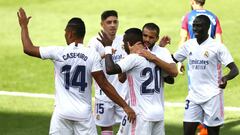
[[192, 15]]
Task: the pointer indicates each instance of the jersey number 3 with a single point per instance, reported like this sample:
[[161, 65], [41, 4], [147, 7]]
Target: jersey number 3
[[75, 79]]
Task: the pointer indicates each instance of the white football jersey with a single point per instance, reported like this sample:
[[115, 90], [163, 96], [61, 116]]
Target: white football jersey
[[73, 66], [145, 95], [121, 88], [163, 54], [204, 67]]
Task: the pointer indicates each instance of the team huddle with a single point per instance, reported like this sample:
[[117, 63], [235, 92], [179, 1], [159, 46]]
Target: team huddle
[[129, 73]]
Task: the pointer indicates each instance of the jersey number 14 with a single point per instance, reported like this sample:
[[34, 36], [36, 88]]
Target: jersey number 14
[[76, 79]]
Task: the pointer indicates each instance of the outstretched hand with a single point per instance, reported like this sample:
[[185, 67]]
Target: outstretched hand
[[164, 41], [22, 18], [104, 39]]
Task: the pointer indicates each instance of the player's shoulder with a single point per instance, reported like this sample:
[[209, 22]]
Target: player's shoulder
[[119, 37], [94, 39]]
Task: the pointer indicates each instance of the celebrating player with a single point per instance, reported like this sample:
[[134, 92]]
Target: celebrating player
[[145, 82], [186, 32], [204, 103], [74, 65], [107, 113]]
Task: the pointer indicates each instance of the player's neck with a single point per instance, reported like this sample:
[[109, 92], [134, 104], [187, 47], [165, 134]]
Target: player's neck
[[198, 7], [202, 39], [112, 37], [78, 41]]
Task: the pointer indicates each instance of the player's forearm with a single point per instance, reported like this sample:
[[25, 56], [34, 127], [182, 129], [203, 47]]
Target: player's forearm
[[28, 46], [233, 71], [111, 67], [169, 68], [169, 80], [110, 91]]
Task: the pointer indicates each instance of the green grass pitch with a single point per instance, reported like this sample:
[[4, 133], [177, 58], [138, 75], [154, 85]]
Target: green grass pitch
[[18, 72]]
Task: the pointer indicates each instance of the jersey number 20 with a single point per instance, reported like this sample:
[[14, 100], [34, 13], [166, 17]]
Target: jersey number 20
[[153, 76]]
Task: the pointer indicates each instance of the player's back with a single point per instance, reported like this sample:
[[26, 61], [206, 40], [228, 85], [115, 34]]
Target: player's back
[[73, 80], [144, 92]]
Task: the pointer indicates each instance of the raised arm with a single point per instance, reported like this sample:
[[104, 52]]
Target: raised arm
[[110, 91], [28, 46], [111, 67], [232, 73]]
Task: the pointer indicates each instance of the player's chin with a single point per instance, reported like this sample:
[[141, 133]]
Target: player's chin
[[113, 32]]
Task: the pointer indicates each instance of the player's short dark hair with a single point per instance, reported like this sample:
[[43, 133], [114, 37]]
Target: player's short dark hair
[[200, 2], [133, 35], [205, 19], [77, 25], [108, 13], [152, 26]]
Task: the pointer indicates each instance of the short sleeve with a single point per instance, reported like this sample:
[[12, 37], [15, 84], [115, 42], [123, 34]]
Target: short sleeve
[[51, 52], [181, 53], [166, 56], [128, 62], [97, 63], [224, 55]]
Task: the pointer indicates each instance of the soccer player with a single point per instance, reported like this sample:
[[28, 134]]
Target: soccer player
[[145, 82], [150, 33], [186, 31], [107, 113], [74, 66], [206, 83]]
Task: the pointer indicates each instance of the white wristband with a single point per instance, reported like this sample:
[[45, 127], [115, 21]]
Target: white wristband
[[108, 50]]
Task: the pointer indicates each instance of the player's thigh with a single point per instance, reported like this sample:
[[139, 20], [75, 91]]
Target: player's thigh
[[158, 128], [124, 126], [214, 111], [193, 112], [142, 126], [60, 126], [104, 113], [86, 127]]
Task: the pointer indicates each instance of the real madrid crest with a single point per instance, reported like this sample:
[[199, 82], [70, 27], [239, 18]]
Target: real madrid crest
[[98, 117], [206, 54]]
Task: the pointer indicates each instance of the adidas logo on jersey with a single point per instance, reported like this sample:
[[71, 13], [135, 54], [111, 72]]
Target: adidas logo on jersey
[[216, 119]]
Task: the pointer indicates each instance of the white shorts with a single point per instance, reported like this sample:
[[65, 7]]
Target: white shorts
[[210, 113], [60, 126], [141, 127], [107, 113]]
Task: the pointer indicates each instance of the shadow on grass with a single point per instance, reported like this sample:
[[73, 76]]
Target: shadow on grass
[[24, 123], [229, 128]]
